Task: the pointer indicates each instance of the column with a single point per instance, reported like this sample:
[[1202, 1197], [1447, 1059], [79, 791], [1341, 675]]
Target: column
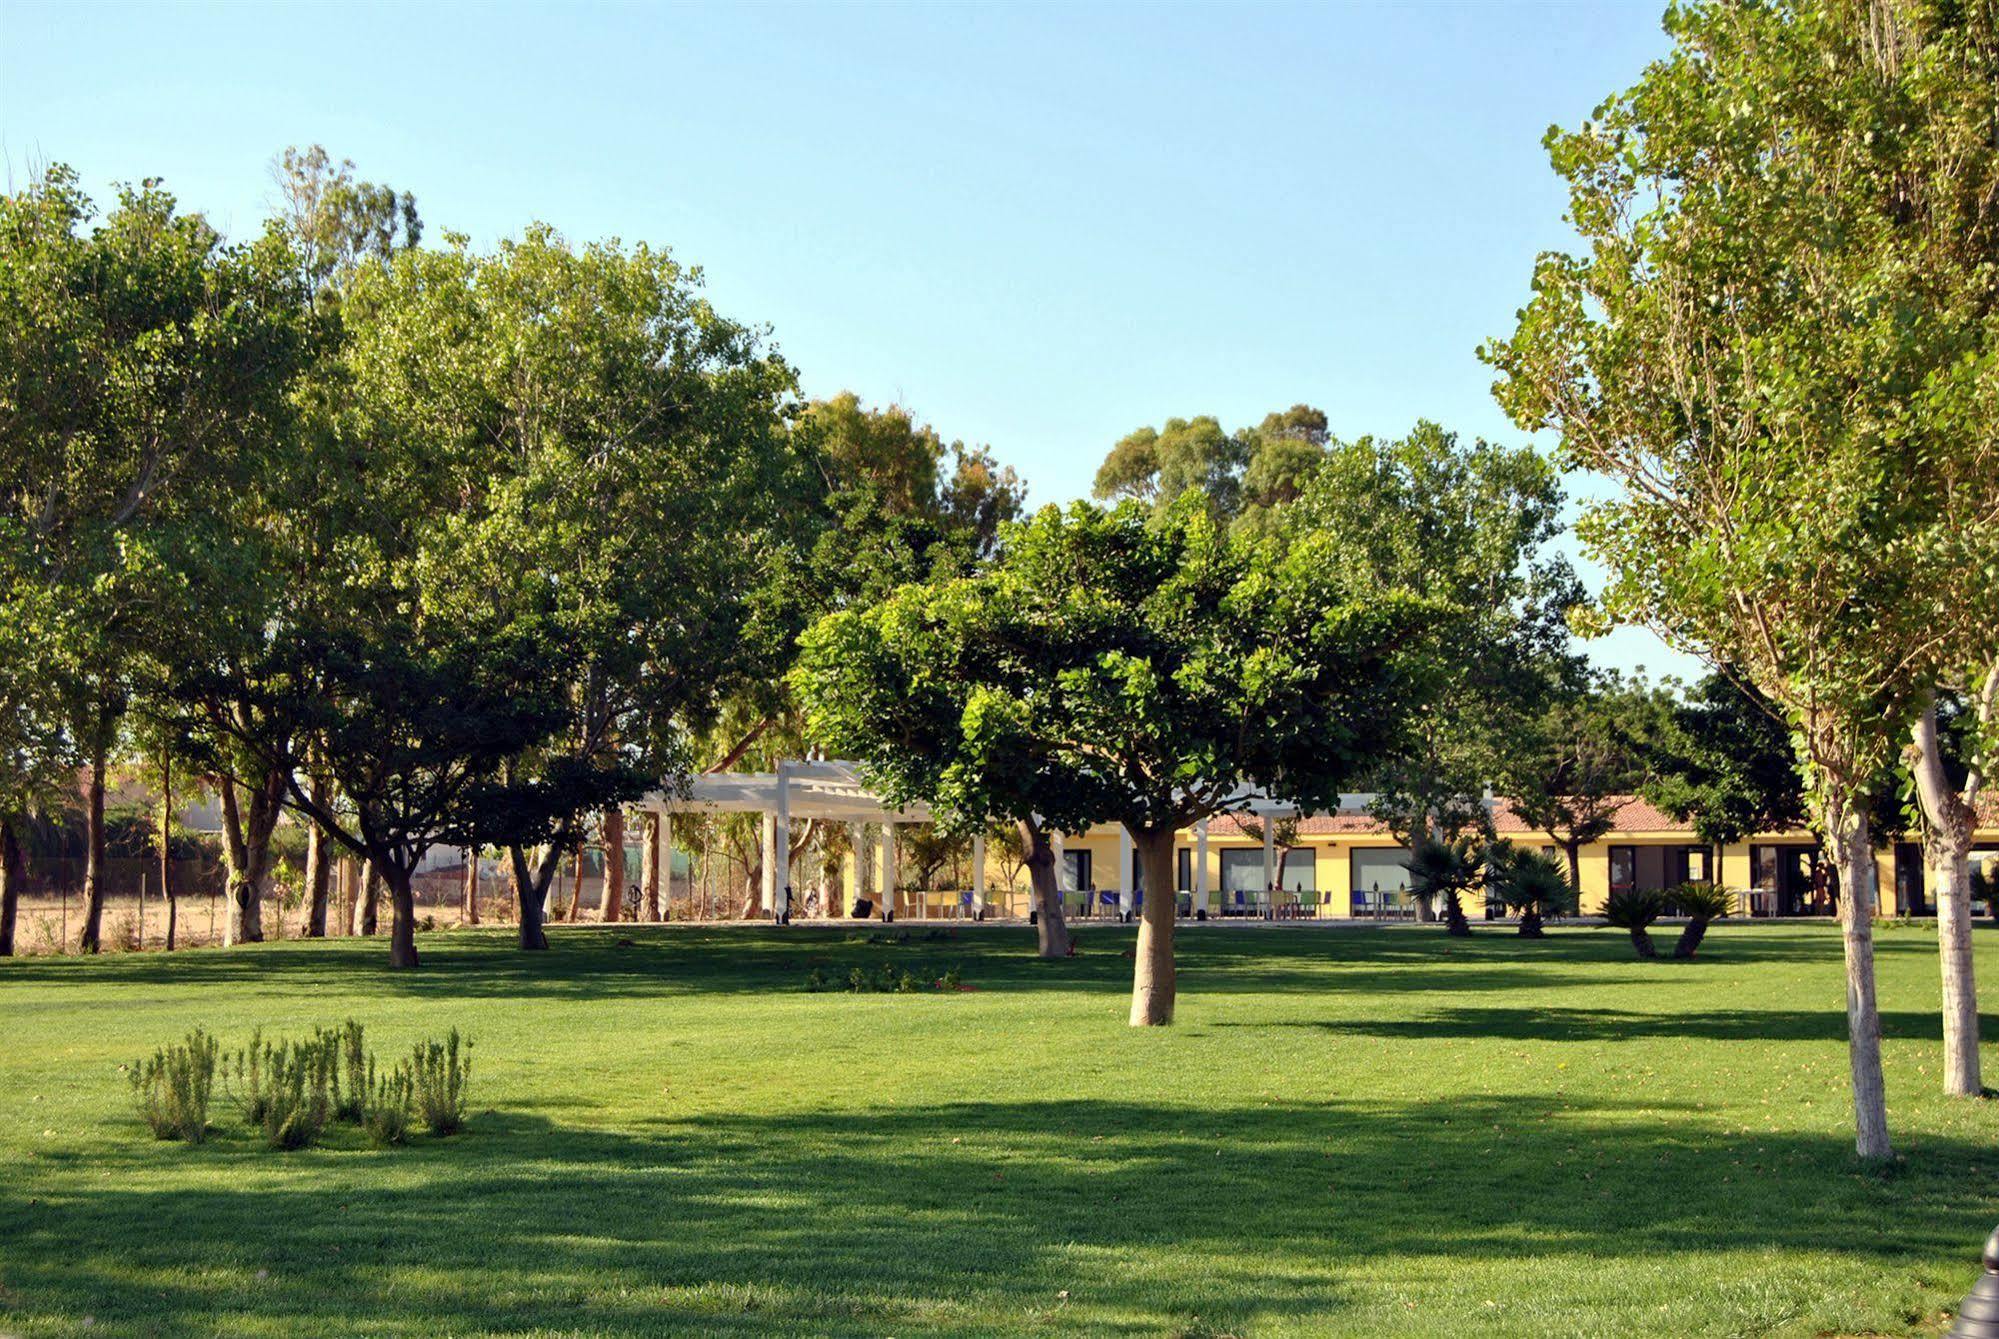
[[979, 874], [781, 825], [769, 889], [666, 868], [1201, 868], [1124, 879], [1270, 861], [888, 869], [857, 841]]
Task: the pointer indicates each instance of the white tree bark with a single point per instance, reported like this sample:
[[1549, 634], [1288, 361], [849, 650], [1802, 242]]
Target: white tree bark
[[1852, 852], [1947, 828]]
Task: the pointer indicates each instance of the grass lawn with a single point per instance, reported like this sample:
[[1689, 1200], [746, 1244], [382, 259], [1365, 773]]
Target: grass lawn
[[1371, 1132]]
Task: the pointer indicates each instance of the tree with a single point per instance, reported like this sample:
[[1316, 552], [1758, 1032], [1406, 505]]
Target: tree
[[593, 385], [335, 221], [1700, 903], [1775, 219], [143, 365], [1112, 666], [1720, 757], [1531, 885], [1633, 910], [1442, 871], [1468, 524], [1571, 770]]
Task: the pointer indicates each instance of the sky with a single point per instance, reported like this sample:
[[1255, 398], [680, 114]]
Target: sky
[[1036, 226]]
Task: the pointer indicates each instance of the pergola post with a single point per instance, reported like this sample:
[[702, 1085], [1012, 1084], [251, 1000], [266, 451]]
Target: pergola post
[[888, 869], [1124, 878], [768, 891], [1270, 863], [857, 839], [1201, 868], [781, 849], [979, 874]]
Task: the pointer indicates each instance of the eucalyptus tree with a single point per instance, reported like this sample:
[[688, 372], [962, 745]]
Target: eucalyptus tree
[[1772, 286], [142, 361], [1123, 667], [1247, 477]]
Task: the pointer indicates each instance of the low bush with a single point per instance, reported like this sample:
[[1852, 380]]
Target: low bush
[[439, 1071], [386, 1114], [286, 1087], [350, 1076], [172, 1089]]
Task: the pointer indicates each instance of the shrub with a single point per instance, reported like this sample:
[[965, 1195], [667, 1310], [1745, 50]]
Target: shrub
[[1634, 909], [386, 1116], [907, 984], [172, 1089], [953, 979], [815, 980], [859, 982], [1531, 883], [287, 1087], [439, 1071], [350, 1075], [1699, 903]]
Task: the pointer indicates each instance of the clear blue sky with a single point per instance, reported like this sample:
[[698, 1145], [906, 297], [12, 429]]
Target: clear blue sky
[[1038, 227]]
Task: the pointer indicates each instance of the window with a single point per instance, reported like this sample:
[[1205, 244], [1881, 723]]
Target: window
[[1185, 881], [1693, 864], [1623, 869], [1076, 869], [1380, 870]]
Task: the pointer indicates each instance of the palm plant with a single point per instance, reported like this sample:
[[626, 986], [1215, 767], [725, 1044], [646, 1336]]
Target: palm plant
[[1445, 870], [1634, 910], [1532, 884], [1699, 903]]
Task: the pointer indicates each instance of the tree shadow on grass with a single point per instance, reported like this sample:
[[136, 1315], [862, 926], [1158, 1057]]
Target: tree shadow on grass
[[593, 963], [968, 1216], [1599, 1025]]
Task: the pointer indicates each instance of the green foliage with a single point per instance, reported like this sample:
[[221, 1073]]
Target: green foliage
[[285, 1088], [439, 1071], [1700, 901], [172, 1089], [391, 1101], [350, 1074], [1101, 668], [1634, 908], [1532, 883], [1446, 869]]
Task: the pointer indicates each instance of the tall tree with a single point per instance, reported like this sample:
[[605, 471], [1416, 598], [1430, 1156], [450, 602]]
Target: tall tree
[[143, 364], [1113, 666], [1768, 289], [1570, 771]]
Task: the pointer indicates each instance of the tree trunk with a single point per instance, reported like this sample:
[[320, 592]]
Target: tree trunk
[[10, 884], [611, 906], [1454, 916], [167, 892], [1153, 984], [318, 880], [1948, 817], [402, 918], [649, 867], [367, 896], [246, 844], [1690, 937], [471, 885], [1852, 853], [531, 893], [1574, 850], [1530, 923], [93, 861], [1641, 940], [576, 886], [1052, 929]]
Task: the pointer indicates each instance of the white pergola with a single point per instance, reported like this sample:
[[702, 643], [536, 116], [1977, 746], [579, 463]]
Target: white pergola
[[834, 792], [825, 790]]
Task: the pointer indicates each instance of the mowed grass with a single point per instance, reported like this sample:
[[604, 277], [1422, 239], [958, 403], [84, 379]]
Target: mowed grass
[[1377, 1132]]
